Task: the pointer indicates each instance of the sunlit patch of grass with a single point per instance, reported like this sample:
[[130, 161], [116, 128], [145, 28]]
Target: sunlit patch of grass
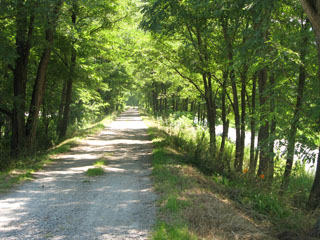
[[63, 147], [7, 180], [174, 204], [100, 163], [170, 185], [165, 231], [97, 171]]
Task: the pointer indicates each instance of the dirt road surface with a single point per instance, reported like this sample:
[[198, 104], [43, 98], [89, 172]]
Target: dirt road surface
[[63, 203]]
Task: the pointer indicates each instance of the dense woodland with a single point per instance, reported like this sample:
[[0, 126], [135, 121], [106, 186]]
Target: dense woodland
[[251, 65]]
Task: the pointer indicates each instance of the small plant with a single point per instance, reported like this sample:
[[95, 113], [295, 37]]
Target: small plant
[[166, 231], [100, 163], [92, 172]]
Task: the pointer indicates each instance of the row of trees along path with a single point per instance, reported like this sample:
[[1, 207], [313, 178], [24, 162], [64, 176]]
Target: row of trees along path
[[253, 64]]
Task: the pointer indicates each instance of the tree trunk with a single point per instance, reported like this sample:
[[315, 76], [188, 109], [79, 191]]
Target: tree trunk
[[272, 134], [66, 112], [314, 197], [225, 121], [235, 105], [24, 32], [312, 9], [61, 105], [296, 115], [211, 112], [38, 92], [243, 115], [264, 164], [253, 160], [39, 85]]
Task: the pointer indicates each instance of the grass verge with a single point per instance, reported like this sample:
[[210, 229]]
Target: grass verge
[[195, 206], [26, 166]]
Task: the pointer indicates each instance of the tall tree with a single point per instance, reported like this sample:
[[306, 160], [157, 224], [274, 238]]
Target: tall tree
[[312, 9]]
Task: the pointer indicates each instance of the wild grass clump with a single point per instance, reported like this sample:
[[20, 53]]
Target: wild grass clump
[[193, 140], [93, 172], [101, 162]]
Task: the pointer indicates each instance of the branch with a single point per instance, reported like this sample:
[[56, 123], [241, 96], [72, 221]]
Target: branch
[[103, 25], [59, 56], [191, 81], [311, 13], [248, 100]]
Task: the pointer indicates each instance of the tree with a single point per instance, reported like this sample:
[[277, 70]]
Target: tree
[[312, 9]]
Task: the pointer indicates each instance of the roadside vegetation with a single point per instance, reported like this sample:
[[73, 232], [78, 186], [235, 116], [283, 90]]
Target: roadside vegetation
[[93, 172], [22, 169], [196, 203]]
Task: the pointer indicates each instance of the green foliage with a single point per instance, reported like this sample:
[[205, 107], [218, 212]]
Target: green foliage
[[174, 205], [97, 171], [286, 211], [100, 163], [166, 231], [169, 185]]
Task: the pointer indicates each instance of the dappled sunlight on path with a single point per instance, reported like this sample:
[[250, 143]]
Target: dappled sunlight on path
[[63, 203]]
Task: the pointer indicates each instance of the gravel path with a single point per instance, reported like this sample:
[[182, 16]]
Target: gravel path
[[63, 203]]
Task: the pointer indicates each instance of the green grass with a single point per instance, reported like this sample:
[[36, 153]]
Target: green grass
[[97, 171], [171, 223], [287, 213], [101, 163], [63, 147], [165, 231]]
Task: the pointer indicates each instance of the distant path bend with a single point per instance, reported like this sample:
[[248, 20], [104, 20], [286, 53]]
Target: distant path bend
[[63, 203]]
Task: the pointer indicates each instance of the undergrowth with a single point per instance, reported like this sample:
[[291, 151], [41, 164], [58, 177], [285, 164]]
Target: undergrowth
[[97, 171], [254, 195]]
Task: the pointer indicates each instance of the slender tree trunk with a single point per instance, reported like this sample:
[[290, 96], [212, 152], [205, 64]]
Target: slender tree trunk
[[211, 113], [243, 114], [264, 164], [199, 113], [61, 105], [296, 115], [235, 105], [253, 159], [66, 112], [272, 133], [314, 197], [225, 121], [312, 9], [165, 100]]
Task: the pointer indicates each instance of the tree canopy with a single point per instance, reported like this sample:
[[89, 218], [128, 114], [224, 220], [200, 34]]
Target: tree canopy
[[249, 65]]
